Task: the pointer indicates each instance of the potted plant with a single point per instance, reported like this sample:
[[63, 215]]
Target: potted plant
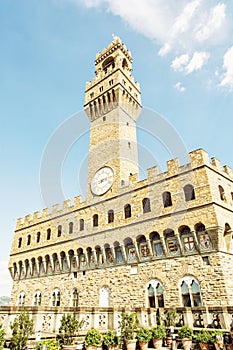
[[144, 335], [217, 339], [204, 338], [158, 334], [51, 344], [170, 319], [111, 339], [129, 327], [68, 330], [2, 336], [22, 328], [93, 339], [185, 333]]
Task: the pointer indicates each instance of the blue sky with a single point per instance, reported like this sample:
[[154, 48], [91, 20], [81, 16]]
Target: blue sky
[[183, 59]]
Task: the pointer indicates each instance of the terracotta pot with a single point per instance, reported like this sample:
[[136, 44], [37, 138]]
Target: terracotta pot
[[158, 343], [143, 345], [187, 343], [69, 347], [91, 347], [112, 347], [130, 344], [204, 346]]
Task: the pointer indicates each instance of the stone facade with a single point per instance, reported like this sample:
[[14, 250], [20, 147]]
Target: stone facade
[[162, 242]]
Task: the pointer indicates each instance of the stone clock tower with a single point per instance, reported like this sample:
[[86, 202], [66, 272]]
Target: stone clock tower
[[113, 104]]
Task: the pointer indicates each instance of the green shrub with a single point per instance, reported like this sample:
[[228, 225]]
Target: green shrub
[[2, 336], [204, 336], [69, 328], [111, 338], [185, 332], [93, 337], [158, 332], [129, 325], [22, 328], [51, 344], [144, 334]]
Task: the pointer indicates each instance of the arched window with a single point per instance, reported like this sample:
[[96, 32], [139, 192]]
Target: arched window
[[71, 225], [56, 297], [38, 237], [104, 297], [75, 298], [95, 220], [48, 234], [189, 193], [155, 294], [222, 193], [127, 210], [37, 298], [29, 240], [59, 231], [20, 242], [109, 62], [190, 292], [146, 205], [110, 216], [167, 200], [21, 300], [81, 224]]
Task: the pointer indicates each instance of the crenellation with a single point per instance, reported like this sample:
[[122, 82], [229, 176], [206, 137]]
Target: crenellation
[[228, 170], [172, 167], [55, 209], [152, 174], [198, 158], [66, 204], [217, 164], [36, 216]]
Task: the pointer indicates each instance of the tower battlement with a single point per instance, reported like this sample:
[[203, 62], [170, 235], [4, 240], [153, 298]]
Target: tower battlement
[[198, 158]]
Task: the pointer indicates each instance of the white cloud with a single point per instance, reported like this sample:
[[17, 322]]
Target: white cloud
[[213, 23], [183, 63], [180, 28], [227, 77], [198, 60], [179, 86], [5, 279], [180, 62]]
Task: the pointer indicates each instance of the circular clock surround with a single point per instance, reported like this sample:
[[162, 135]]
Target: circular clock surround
[[102, 180]]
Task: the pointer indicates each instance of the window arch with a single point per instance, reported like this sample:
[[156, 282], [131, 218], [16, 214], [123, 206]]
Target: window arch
[[155, 294], [59, 230], [37, 298], [75, 298], [56, 297], [146, 205], [95, 220], [110, 216], [81, 224], [71, 227], [29, 240], [48, 233], [127, 210], [190, 292], [104, 297], [167, 200], [222, 193], [21, 300], [20, 242], [189, 193]]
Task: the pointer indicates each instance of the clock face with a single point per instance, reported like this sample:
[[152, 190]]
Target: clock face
[[102, 180]]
